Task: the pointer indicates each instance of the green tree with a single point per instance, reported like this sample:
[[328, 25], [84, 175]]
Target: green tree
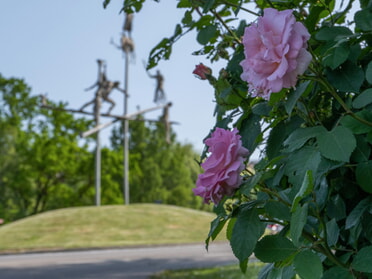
[[43, 164], [159, 171]]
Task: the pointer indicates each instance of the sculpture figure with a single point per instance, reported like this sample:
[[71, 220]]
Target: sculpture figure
[[105, 87], [127, 27], [165, 119], [159, 96]]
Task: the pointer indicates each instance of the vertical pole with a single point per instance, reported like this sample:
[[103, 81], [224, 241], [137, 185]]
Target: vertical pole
[[125, 132], [98, 154]]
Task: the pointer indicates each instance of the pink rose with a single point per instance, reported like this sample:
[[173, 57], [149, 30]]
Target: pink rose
[[202, 71], [275, 52], [222, 168]]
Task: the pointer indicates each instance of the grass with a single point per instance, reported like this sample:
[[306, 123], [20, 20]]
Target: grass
[[226, 272], [106, 226]]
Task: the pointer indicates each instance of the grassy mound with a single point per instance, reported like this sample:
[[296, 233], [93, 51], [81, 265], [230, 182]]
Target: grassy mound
[[106, 226]]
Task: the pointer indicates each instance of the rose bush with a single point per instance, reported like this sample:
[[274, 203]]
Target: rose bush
[[313, 137]]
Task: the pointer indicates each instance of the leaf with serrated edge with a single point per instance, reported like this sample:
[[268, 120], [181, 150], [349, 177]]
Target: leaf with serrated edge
[[355, 215], [246, 232], [337, 144], [364, 98], [298, 222], [308, 265], [274, 248], [306, 188], [363, 259], [300, 136]]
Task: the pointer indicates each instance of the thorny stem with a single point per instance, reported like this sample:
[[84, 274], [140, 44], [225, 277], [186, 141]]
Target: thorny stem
[[270, 3], [324, 250], [240, 7], [227, 27], [325, 242], [266, 190], [331, 90]]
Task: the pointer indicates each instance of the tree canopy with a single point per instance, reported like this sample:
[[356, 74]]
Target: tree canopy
[[44, 164]]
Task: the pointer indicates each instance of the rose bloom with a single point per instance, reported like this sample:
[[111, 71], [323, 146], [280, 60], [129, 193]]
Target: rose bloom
[[222, 168], [202, 71], [275, 52]]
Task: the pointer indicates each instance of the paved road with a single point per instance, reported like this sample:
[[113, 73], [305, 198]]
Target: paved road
[[134, 263]]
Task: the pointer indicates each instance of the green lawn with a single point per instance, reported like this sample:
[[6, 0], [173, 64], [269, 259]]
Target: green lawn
[[226, 272], [106, 226]]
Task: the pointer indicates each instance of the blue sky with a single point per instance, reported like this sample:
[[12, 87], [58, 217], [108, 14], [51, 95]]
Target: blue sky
[[54, 45]]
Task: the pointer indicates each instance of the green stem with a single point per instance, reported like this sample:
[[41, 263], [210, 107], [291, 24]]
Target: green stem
[[339, 100], [227, 27], [240, 7], [345, 107], [266, 190], [324, 250], [270, 3]]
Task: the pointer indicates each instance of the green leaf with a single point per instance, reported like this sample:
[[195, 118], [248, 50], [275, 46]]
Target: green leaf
[[246, 232], [208, 5], [162, 50], [333, 33], [281, 272], [346, 78], [306, 188], [274, 248], [362, 150], [313, 17], [250, 130], [275, 273], [364, 98], [262, 109], [105, 3], [369, 137], [337, 272], [278, 134], [336, 55], [251, 182], [355, 215], [363, 174], [230, 227], [206, 34], [294, 95], [131, 6], [216, 227], [297, 224], [243, 265], [336, 208], [265, 271], [278, 210], [308, 265], [300, 136], [277, 97], [337, 144], [369, 73], [184, 4], [333, 231], [363, 20], [300, 162], [363, 259], [355, 125]]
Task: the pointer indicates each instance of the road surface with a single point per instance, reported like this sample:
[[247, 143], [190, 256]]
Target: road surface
[[133, 263]]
